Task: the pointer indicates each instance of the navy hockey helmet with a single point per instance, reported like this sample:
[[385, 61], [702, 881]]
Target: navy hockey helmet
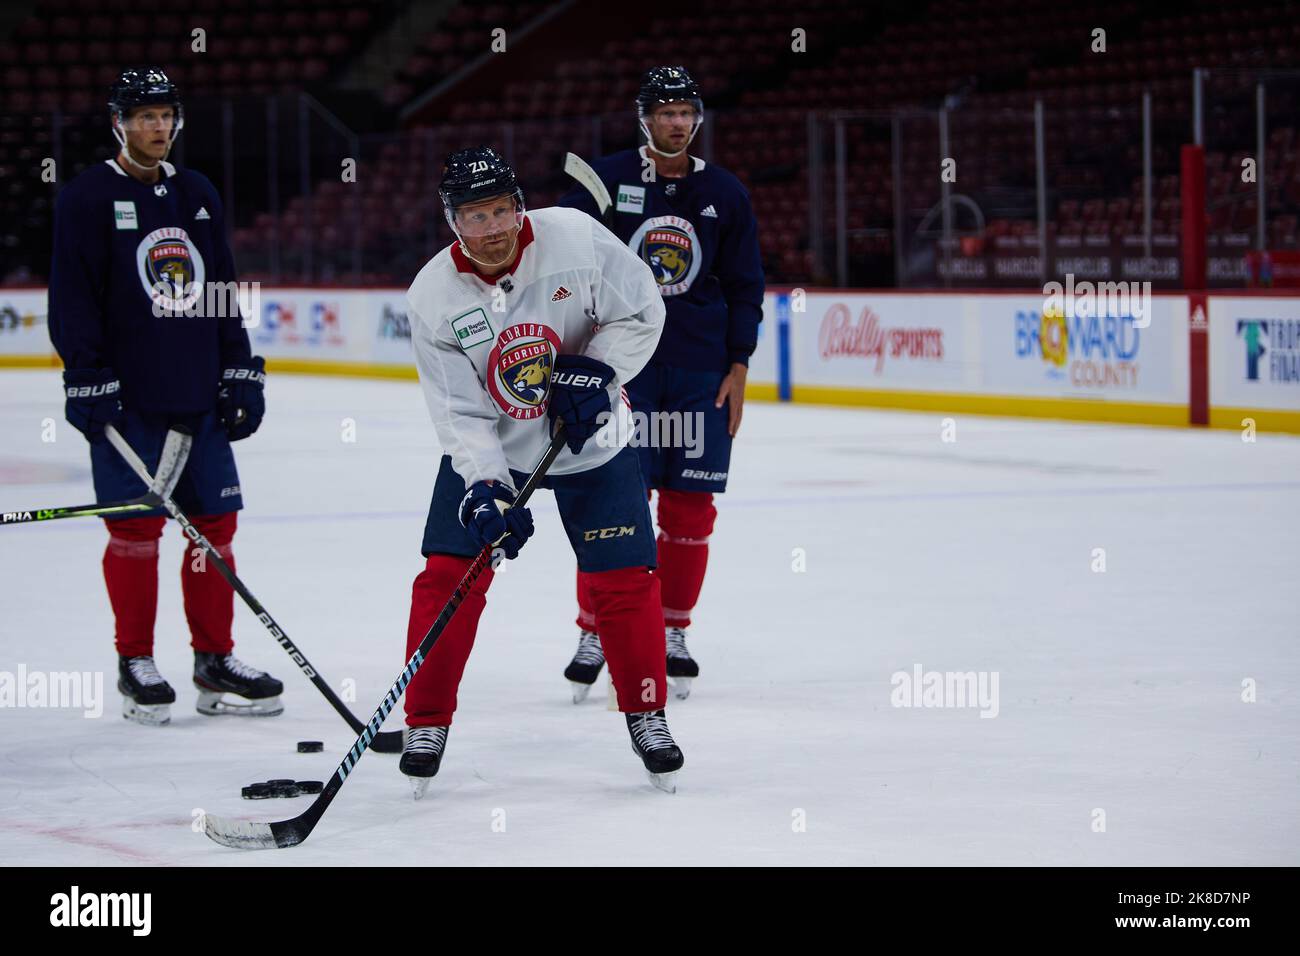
[[143, 86], [473, 175], [668, 84]]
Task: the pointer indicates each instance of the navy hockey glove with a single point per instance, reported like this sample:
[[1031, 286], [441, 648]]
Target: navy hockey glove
[[482, 516], [579, 395], [94, 400], [240, 401]]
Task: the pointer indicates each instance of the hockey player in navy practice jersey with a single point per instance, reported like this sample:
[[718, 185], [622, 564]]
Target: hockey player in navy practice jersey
[[692, 223], [138, 246]]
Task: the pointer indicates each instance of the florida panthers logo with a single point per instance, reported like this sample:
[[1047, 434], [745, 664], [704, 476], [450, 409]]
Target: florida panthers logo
[[519, 368], [171, 269], [668, 245]]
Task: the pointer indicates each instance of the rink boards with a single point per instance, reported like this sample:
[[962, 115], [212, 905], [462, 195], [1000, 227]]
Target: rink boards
[[960, 352]]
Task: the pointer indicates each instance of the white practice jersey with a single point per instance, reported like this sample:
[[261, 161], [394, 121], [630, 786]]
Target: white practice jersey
[[485, 349]]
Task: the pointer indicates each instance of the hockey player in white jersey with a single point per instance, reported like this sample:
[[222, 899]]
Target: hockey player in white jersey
[[527, 320]]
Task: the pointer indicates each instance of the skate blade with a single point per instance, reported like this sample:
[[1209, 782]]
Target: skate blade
[[681, 686], [150, 715], [667, 782], [211, 704], [580, 691], [419, 786]]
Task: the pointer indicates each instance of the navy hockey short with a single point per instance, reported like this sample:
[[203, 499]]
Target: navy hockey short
[[209, 485], [604, 511], [682, 438]]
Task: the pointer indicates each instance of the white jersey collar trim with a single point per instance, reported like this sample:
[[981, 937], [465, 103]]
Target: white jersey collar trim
[[696, 163], [113, 164]]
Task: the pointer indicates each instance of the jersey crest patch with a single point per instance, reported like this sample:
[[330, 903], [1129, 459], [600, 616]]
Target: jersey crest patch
[[668, 245], [171, 268], [519, 369]]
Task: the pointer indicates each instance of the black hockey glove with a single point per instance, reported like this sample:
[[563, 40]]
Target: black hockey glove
[[94, 400], [579, 396], [482, 515], [240, 401]]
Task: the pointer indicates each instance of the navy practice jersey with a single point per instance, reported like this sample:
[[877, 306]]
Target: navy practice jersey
[[115, 240], [700, 240]]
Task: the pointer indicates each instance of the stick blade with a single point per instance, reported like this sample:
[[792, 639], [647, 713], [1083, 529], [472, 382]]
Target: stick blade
[[240, 834], [175, 453], [581, 170], [387, 742]]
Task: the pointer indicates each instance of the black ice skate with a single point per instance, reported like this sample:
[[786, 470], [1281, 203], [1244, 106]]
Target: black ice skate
[[146, 697], [682, 668], [652, 742], [585, 666], [422, 749], [215, 675]]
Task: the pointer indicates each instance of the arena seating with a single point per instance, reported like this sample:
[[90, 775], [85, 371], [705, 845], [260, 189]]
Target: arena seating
[[989, 58]]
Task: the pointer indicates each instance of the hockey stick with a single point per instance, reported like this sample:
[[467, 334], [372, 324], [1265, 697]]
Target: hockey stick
[[581, 170], [175, 452], [388, 742], [249, 835]]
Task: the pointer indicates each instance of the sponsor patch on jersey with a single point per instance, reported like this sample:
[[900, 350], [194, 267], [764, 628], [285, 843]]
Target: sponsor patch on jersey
[[709, 211], [472, 329], [668, 245], [519, 369], [124, 215], [171, 268], [630, 198], [560, 294], [203, 214]]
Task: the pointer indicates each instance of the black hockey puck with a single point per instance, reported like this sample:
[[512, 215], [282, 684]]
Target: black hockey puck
[[257, 791], [285, 790], [310, 746], [310, 786], [279, 783]]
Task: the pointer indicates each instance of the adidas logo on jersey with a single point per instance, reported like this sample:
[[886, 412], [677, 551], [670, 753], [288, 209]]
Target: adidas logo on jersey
[[201, 214], [561, 294], [709, 211]]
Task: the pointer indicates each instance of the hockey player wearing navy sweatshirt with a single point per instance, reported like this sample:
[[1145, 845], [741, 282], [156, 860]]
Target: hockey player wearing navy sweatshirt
[[692, 223], [138, 245]]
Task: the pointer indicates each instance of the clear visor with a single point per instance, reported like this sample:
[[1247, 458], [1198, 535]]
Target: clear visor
[[677, 114], [492, 217], [164, 120], [671, 127]]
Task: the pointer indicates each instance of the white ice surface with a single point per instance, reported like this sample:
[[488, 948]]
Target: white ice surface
[[1119, 691]]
